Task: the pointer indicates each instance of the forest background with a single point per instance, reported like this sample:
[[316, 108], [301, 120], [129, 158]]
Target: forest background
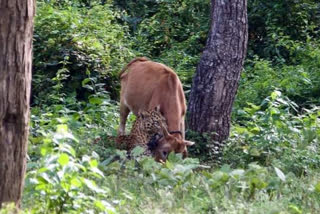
[[271, 162]]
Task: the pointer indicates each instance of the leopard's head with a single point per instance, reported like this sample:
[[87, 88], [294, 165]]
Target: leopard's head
[[151, 121], [161, 142]]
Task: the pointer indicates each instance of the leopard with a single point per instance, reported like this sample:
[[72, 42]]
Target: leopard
[[149, 124]]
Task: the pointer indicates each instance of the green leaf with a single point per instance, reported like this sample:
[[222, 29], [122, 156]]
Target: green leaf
[[255, 152], [221, 176], [92, 186], [93, 163], [274, 111], [275, 95], [317, 187], [88, 87], [63, 159], [85, 81], [258, 183], [43, 150], [255, 130], [108, 207], [43, 169], [65, 148], [99, 205], [294, 209], [280, 174], [95, 100], [237, 173], [97, 172], [62, 128], [62, 120], [137, 151], [240, 129], [75, 182], [253, 106], [43, 178]]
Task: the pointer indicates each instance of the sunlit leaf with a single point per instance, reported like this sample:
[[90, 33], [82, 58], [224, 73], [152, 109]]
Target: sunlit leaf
[[63, 159], [93, 163], [97, 172], [43, 150], [280, 174], [62, 128], [92, 186], [237, 172], [76, 182], [294, 209], [99, 205], [275, 94]]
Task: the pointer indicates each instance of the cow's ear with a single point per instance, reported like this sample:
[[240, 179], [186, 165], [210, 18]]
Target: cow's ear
[[157, 108], [188, 143], [164, 130]]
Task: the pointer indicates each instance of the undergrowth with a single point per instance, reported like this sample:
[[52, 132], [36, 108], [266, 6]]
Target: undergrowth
[[271, 164]]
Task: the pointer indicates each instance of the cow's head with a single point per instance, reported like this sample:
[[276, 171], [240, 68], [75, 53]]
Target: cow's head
[[170, 143]]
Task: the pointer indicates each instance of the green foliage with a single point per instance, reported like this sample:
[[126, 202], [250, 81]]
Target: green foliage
[[272, 134], [177, 24], [178, 186], [202, 148], [8, 208], [272, 164], [63, 175], [72, 44], [300, 82], [63, 182], [273, 25]]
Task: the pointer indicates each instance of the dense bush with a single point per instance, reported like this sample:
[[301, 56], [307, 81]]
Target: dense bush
[[273, 133], [72, 44], [300, 82], [272, 159], [276, 25]]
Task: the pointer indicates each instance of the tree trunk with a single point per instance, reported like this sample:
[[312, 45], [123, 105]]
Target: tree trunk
[[16, 29], [216, 81]]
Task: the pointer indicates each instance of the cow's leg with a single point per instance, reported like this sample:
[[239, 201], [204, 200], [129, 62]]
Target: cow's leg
[[182, 128], [124, 111]]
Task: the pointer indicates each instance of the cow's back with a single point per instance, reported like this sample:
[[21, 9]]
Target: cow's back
[[148, 82]]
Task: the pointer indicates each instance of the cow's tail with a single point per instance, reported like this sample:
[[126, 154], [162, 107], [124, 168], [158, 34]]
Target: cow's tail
[[138, 59]]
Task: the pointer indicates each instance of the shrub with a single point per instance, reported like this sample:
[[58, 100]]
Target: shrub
[[72, 168], [272, 133], [72, 44], [300, 82]]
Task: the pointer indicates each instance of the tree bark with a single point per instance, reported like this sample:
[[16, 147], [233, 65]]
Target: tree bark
[[16, 30], [216, 81]]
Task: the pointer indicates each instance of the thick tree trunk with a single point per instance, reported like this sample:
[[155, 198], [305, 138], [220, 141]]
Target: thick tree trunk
[[16, 29], [216, 81]]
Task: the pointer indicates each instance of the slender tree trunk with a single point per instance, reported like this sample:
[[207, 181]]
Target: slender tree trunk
[[16, 29], [216, 81]]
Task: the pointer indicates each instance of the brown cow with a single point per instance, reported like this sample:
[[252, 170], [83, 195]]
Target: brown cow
[[149, 84]]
